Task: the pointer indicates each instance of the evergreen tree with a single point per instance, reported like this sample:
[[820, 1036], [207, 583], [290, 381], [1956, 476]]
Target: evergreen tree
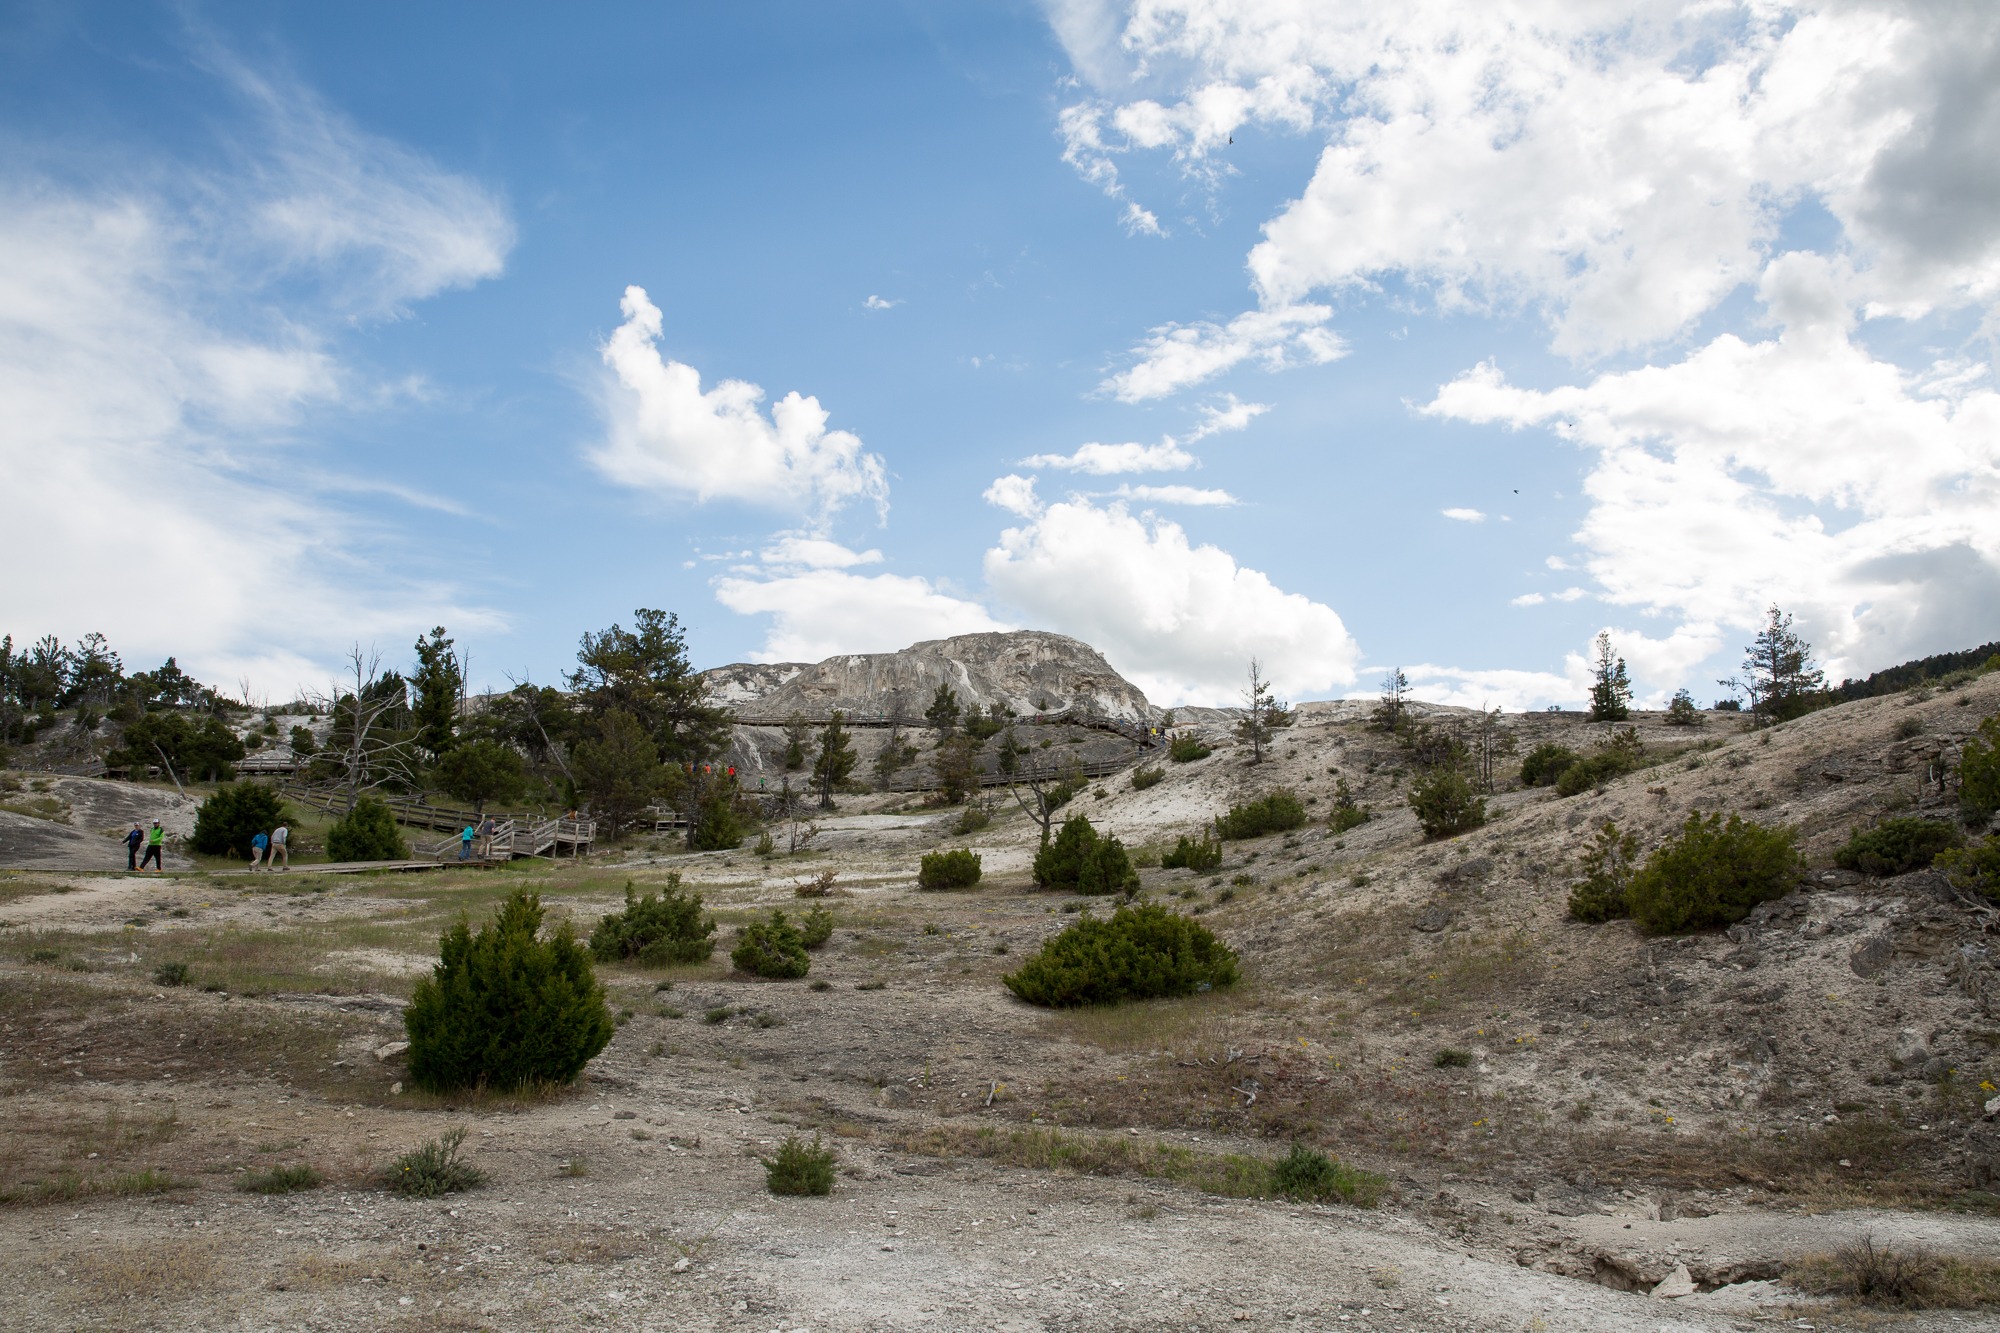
[[645, 673], [1782, 679], [1389, 710], [1611, 688], [943, 712], [798, 736], [438, 684], [618, 772], [834, 761], [481, 771], [1264, 715]]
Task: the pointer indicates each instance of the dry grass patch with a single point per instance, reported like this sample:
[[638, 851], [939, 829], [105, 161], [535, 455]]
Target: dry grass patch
[[1204, 1020], [162, 1268], [1871, 1275]]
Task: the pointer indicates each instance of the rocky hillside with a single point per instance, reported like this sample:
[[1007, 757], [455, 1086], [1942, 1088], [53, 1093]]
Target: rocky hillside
[[1028, 671]]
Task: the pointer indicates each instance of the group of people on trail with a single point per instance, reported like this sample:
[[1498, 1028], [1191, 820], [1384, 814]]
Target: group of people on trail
[[154, 841], [265, 849]]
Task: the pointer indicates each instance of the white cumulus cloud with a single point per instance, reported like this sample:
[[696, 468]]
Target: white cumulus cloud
[[1015, 494], [1104, 460], [1800, 470], [1622, 165], [822, 611], [1231, 414], [880, 303], [666, 434], [1179, 620], [1464, 515], [1173, 357], [168, 346], [1177, 495]]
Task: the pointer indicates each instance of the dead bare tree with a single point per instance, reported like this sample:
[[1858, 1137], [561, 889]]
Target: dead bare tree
[[368, 755], [1051, 788]]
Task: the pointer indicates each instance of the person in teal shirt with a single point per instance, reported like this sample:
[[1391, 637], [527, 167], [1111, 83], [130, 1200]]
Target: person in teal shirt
[[465, 844]]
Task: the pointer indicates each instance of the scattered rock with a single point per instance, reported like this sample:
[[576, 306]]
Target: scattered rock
[[1675, 1285], [390, 1050], [1433, 919], [1870, 954], [1912, 1051]]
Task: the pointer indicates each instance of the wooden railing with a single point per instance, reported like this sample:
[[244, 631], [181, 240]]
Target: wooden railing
[[1139, 733], [512, 835]]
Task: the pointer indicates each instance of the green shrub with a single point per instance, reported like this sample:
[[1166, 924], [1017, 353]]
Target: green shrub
[[170, 974], [1446, 803], [1603, 894], [958, 869], [799, 1168], [434, 1169], [1079, 861], [656, 930], [771, 948], [1141, 952], [366, 833], [1979, 773], [280, 1180], [1204, 853], [1143, 778], [1896, 846], [232, 815], [1681, 710], [1278, 812], [1713, 873], [1976, 868], [1187, 749], [816, 926], [504, 1009], [1314, 1177], [973, 818], [1347, 814], [717, 826], [1452, 1057], [1545, 763]]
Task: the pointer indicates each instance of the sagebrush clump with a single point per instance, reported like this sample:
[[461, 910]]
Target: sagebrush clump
[[1545, 763], [1187, 749], [1278, 812], [774, 949], [1141, 952], [959, 869], [657, 930], [1896, 846], [1313, 1177], [1713, 873], [1143, 777], [505, 1009], [435, 1168]]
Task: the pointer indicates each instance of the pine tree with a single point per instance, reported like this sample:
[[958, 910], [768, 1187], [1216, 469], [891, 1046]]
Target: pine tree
[[943, 712], [619, 772], [439, 684], [1611, 688], [1782, 676], [1389, 710], [1265, 716], [646, 672], [834, 761]]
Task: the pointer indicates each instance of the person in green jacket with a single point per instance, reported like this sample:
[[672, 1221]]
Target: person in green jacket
[[156, 838]]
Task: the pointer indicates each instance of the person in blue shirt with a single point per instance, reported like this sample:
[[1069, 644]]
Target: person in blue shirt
[[465, 844], [133, 840], [258, 845]]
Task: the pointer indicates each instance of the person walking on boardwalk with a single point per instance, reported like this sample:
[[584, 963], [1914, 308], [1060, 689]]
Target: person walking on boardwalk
[[156, 838], [133, 841], [281, 838], [465, 844], [258, 845]]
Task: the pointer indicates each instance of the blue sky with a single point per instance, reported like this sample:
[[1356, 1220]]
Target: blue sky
[[1430, 338]]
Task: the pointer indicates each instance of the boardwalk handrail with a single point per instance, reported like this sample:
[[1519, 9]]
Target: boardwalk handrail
[[1139, 733]]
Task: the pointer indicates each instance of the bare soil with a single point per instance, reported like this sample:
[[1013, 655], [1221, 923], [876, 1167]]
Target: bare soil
[[1626, 1107]]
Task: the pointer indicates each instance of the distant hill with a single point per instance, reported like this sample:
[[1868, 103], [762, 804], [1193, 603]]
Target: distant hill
[[1890, 680], [1029, 671]]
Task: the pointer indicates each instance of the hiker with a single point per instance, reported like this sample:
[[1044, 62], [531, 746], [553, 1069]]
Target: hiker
[[257, 846], [281, 837], [155, 838], [465, 844], [132, 842]]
